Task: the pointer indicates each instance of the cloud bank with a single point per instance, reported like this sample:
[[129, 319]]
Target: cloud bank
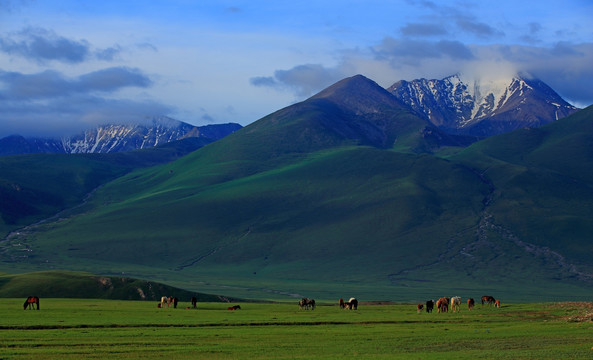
[[50, 103]]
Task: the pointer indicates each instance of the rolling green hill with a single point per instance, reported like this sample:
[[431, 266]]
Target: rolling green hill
[[37, 186], [342, 195], [68, 284]]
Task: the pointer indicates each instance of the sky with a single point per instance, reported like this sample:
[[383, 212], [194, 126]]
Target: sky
[[69, 65]]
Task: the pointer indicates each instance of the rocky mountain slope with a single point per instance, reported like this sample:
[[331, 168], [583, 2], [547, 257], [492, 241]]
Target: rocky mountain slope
[[111, 138], [483, 107]]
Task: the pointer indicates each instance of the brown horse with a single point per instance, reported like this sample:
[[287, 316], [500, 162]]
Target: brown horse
[[489, 299], [341, 303], [194, 302], [443, 304], [172, 300], [234, 307], [470, 303], [31, 302]]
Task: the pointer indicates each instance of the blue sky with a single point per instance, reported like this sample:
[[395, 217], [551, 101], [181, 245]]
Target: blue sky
[[67, 65]]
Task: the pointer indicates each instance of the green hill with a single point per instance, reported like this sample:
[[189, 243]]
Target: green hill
[[68, 284], [36, 186], [342, 195]]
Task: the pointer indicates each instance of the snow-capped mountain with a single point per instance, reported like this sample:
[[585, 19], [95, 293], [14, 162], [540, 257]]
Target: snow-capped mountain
[[483, 107], [117, 137]]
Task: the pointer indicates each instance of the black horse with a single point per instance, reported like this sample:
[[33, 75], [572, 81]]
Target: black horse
[[306, 303], [194, 302], [429, 306], [31, 302]]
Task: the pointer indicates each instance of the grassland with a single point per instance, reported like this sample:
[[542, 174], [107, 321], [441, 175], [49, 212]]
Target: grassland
[[75, 328]]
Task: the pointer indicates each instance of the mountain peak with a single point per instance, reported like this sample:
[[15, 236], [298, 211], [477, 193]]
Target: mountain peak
[[359, 94], [483, 106]]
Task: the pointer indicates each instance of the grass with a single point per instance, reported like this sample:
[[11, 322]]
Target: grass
[[68, 328]]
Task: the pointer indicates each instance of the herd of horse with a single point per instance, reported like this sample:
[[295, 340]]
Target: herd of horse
[[172, 300], [443, 304], [454, 303], [306, 304]]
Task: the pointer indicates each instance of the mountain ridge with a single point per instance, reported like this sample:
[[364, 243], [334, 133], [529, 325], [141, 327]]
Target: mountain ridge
[[115, 137], [483, 107]]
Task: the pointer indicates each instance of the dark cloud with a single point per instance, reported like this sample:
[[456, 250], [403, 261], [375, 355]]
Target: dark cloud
[[111, 79], [51, 103], [423, 29], [42, 45], [402, 50], [303, 80], [264, 81], [479, 29], [108, 54], [51, 84]]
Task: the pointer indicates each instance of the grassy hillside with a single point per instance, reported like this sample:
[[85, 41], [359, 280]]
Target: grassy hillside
[[36, 186], [67, 284], [544, 184]]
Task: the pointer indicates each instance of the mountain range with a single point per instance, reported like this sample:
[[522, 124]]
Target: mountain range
[[483, 107], [115, 137], [349, 193]]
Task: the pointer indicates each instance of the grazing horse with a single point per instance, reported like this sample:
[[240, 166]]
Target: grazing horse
[[489, 299], [341, 303], [443, 304], [172, 300], [497, 304], [163, 302], [306, 303], [234, 307], [429, 306], [352, 304], [419, 308], [455, 303], [194, 302], [31, 302], [470, 303]]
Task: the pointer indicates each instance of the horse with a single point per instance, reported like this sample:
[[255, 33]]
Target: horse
[[470, 303], [429, 306], [489, 299], [352, 304], [497, 304], [341, 303], [194, 302], [443, 304], [455, 303], [234, 307], [419, 308], [31, 302], [172, 300], [306, 303], [163, 302]]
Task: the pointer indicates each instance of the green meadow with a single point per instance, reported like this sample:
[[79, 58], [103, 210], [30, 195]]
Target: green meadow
[[87, 328]]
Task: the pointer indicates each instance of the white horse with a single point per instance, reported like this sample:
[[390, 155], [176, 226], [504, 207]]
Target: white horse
[[352, 304], [164, 300], [455, 303]]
